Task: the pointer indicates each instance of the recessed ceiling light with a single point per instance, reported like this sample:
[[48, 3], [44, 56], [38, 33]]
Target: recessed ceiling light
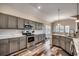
[[39, 7]]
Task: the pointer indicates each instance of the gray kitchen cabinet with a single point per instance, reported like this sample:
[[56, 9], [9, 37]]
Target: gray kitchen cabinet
[[44, 36], [26, 22], [32, 23], [39, 26], [68, 45], [42, 26], [40, 38], [36, 38], [20, 23], [14, 45], [12, 22], [4, 47], [3, 21], [23, 42], [57, 41], [36, 26]]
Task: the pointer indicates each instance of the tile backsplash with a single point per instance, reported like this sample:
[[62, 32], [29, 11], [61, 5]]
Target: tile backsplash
[[15, 31], [10, 32]]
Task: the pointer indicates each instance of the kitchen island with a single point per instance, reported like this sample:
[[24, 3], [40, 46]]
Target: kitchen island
[[69, 44]]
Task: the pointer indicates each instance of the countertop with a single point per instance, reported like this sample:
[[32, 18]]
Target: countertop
[[75, 40], [10, 36], [62, 35], [76, 43]]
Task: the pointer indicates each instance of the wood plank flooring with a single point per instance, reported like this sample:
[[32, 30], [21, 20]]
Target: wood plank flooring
[[41, 49]]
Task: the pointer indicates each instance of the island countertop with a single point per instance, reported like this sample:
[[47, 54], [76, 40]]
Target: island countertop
[[75, 40], [76, 43]]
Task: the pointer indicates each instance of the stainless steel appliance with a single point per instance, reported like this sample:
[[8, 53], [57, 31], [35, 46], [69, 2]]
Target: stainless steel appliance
[[29, 34]]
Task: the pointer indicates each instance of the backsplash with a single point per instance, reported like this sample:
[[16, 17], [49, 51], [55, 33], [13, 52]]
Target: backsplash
[[14, 32], [10, 32]]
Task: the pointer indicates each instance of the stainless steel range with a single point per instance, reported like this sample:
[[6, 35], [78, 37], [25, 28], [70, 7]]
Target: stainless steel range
[[29, 34]]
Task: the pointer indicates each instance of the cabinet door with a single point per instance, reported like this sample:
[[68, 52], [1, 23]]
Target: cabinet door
[[36, 26], [40, 38], [44, 36], [26, 22], [41, 25], [14, 45], [3, 21], [12, 22], [4, 47], [68, 43], [22, 42], [32, 23], [36, 38], [20, 23]]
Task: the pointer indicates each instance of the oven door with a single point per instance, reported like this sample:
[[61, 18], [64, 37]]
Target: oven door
[[30, 39]]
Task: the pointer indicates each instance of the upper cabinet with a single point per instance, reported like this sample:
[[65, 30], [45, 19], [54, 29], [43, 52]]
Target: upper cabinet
[[3, 21], [36, 26], [26, 22], [32, 23], [20, 23], [40, 26], [12, 22]]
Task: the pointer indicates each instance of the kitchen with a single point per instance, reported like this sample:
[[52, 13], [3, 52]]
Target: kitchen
[[36, 29]]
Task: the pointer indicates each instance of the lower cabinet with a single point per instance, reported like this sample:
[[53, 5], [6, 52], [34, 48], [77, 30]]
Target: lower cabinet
[[39, 37], [36, 38], [14, 45], [4, 47], [68, 45], [22, 42], [63, 42], [11, 45], [43, 36]]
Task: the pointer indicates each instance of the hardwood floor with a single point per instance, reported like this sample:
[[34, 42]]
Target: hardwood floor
[[41, 49]]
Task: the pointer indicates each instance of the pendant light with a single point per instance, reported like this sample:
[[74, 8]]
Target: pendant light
[[58, 16], [58, 20], [77, 14]]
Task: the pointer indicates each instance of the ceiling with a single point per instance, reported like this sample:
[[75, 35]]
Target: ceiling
[[48, 11]]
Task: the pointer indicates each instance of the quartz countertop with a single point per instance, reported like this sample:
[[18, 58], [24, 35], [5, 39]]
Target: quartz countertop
[[76, 43], [10, 36], [75, 40], [63, 35]]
